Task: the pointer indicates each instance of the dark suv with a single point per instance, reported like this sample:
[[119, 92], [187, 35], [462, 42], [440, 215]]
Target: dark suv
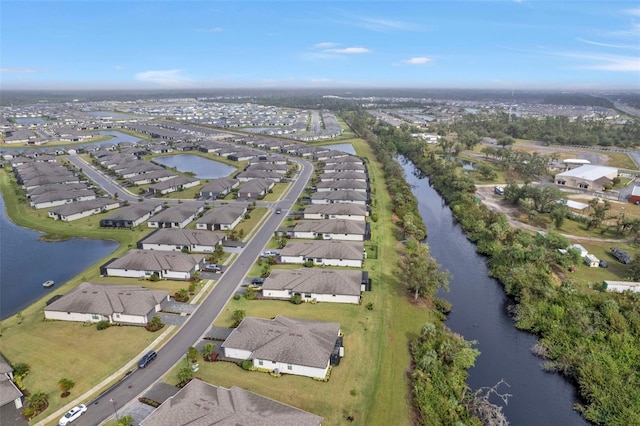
[[146, 359]]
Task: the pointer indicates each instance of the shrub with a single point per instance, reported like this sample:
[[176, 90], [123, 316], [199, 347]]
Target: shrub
[[250, 294], [236, 297], [296, 299], [102, 325], [154, 277], [246, 364], [370, 306], [308, 263]]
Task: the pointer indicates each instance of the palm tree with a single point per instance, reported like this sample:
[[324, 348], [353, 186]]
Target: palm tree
[[185, 374], [125, 420], [155, 323], [207, 350], [65, 385], [38, 401]]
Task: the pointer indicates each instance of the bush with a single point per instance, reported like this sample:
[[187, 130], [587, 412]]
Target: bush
[[250, 294], [102, 325], [296, 299], [370, 306], [236, 297], [246, 364], [154, 277]]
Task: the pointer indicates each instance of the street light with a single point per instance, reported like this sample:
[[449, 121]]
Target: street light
[[113, 401]]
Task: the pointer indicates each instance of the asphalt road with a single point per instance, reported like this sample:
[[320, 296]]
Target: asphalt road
[[103, 181], [199, 322]]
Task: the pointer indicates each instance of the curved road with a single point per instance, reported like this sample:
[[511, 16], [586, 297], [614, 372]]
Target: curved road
[[199, 322]]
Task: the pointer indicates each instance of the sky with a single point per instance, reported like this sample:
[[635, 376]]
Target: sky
[[503, 44]]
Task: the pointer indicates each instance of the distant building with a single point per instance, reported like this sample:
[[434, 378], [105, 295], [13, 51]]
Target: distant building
[[590, 177]]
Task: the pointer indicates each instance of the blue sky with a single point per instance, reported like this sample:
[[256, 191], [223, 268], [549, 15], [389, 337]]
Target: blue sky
[[526, 44]]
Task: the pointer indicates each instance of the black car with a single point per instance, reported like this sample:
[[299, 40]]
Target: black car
[[146, 359], [257, 281]]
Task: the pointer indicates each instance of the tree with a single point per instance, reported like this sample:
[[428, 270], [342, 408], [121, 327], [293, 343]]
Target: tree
[[65, 385], [421, 271], [155, 324], [237, 316], [125, 420], [192, 354], [506, 141], [207, 351], [185, 374], [38, 401]]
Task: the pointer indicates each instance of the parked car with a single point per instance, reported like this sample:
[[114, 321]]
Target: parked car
[[603, 263], [257, 281], [146, 359], [73, 414], [268, 253], [212, 267], [622, 256]]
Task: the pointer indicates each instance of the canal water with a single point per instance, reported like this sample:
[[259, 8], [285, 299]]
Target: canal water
[[26, 262], [538, 398], [202, 167]]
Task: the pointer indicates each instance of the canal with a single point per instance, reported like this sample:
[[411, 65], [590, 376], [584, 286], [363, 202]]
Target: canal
[[479, 313]]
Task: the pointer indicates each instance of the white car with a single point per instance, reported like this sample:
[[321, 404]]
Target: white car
[[72, 414]]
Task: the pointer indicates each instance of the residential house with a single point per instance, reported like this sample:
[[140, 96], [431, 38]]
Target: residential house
[[324, 253], [313, 284], [331, 229], [341, 196], [9, 392], [255, 189], [341, 185], [132, 215], [218, 188], [222, 218], [250, 175], [174, 184], [145, 263], [193, 240], [59, 198], [121, 304], [74, 211], [336, 211], [286, 345], [177, 216], [343, 176], [199, 403]]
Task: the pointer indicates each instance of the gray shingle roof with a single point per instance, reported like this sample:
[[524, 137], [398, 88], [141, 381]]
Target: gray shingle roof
[[337, 209], [184, 237], [150, 260], [202, 404], [107, 299], [331, 226], [287, 340], [223, 215], [319, 281], [325, 249]]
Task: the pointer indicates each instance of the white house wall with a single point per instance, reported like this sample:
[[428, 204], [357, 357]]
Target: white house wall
[[236, 353], [298, 370], [127, 273]]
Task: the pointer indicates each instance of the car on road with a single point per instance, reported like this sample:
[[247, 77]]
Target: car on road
[[278, 210], [73, 414], [146, 359], [212, 267]]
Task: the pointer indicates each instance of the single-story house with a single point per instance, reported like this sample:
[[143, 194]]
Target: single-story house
[[177, 183], [73, 211], [145, 263], [222, 218], [342, 196], [122, 304], [589, 177], [193, 240], [152, 177], [345, 167], [218, 188], [621, 286], [132, 215], [326, 253], [199, 403], [343, 176], [287, 345], [321, 285], [327, 155], [336, 211], [9, 392], [178, 216], [346, 184], [331, 229], [59, 198], [255, 189], [249, 175]]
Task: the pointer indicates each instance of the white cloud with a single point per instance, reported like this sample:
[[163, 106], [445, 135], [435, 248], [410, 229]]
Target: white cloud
[[633, 12], [349, 50], [325, 45], [417, 61], [167, 78], [618, 46], [17, 70], [379, 24]]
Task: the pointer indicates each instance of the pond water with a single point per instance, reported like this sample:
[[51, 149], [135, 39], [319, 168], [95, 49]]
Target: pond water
[[26, 262], [202, 167], [479, 313], [30, 120], [118, 137]]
